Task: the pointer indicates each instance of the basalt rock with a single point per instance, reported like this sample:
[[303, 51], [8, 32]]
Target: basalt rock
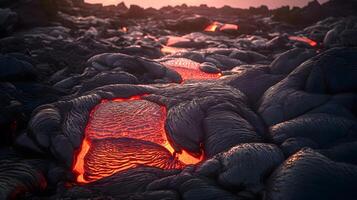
[[253, 81], [132, 186], [140, 67], [288, 61], [190, 24], [304, 87], [13, 69], [191, 187], [233, 168], [8, 21], [306, 173], [20, 176], [135, 11], [34, 13], [343, 152], [184, 102]]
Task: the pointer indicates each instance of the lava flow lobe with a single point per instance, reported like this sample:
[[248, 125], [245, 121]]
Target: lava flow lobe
[[190, 70], [123, 134]]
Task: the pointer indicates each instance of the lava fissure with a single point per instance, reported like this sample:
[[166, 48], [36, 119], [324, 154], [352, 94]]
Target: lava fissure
[[123, 134], [306, 40]]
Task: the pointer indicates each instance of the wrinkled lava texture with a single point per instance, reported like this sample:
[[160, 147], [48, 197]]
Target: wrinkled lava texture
[[189, 69], [123, 134]]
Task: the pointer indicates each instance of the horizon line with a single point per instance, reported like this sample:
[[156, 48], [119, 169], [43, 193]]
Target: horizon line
[[198, 4]]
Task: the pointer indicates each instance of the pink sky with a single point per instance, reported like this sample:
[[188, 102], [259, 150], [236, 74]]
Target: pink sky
[[216, 3]]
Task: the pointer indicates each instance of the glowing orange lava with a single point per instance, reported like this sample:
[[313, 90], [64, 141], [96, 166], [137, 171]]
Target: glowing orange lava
[[172, 50], [303, 39], [79, 164], [173, 40], [124, 29], [189, 70], [221, 27], [227, 27], [123, 134], [212, 27]]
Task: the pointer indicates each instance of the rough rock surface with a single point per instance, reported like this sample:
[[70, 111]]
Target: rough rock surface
[[268, 109]]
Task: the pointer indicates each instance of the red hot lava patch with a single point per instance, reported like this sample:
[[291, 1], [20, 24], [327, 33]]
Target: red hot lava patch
[[123, 134], [189, 70]]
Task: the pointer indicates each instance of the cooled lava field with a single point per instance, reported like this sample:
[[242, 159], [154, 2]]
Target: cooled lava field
[[184, 102]]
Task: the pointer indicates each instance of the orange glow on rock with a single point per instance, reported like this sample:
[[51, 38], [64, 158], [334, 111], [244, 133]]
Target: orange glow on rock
[[189, 70], [79, 164], [172, 50], [212, 27], [124, 29], [303, 39], [174, 40], [123, 134], [217, 26], [229, 27]]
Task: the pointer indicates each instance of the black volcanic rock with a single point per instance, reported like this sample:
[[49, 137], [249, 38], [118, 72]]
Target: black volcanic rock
[[190, 24], [35, 12], [315, 11], [12, 69], [122, 7], [341, 7], [135, 11], [289, 60], [235, 165], [262, 10], [19, 176], [309, 168], [8, 20], [246, 100], [301, 16]]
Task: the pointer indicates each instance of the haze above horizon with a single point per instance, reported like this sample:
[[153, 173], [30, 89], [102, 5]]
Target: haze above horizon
[[215, 3]]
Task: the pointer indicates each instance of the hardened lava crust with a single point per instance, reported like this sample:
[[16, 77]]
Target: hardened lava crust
[[185, 102]]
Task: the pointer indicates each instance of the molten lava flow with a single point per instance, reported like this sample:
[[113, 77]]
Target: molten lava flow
[[124, 29], [212, 27], [108, 156], [123, 134], [229, 27], [173, 40], [79, 164], [172, 50], [221, 27], [189, 70], [303, 39]]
